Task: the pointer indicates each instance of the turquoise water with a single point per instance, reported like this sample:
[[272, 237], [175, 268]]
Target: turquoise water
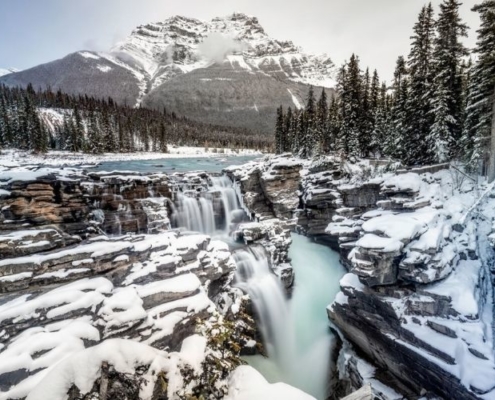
[[213, 164], [306, 363]]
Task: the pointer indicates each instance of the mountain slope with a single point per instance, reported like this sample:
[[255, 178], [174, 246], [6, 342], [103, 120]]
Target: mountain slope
[[226, 71], [82, 73], [227, 95], [6, 71]]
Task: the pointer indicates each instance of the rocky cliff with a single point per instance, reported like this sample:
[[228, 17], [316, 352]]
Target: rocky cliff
[[100, 298], [417, 302]]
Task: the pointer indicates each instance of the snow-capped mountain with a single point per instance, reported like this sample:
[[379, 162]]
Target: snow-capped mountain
[[226, 71], [6, 71], [180, 45]]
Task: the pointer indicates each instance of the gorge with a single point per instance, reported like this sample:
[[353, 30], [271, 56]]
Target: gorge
[[160, 264]]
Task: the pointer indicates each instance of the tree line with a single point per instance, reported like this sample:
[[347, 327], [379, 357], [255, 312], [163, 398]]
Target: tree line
[[96, 126], [438, 108]]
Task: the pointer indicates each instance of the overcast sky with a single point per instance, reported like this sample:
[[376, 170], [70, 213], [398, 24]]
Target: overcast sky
[[38, 31]]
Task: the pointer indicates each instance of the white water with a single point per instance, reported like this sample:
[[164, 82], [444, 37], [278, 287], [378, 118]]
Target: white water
[[198, 214], [296, 333]]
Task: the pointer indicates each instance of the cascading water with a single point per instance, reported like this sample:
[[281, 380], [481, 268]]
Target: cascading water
[[229, 198], [198, 214], [295, 331], [253, 276]]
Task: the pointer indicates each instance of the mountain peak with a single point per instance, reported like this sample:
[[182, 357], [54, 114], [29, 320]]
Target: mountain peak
[[181, 44]]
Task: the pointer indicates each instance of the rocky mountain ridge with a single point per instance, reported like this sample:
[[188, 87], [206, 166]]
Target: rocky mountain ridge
[[227, 70]]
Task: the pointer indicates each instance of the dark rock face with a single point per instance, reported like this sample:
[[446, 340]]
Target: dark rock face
[[371, 325], [114, 203], [45, 201]]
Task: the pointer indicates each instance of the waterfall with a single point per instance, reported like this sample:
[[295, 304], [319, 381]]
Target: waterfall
[[189, 214], [253, 276], [208, 215], [199, 214], [224, 185], [295, 332]]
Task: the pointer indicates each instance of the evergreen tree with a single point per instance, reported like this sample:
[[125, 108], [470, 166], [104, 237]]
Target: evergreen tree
[[448, 83], [418, 110], [163, 138], [333, 125], [289, 129], [477, 133], [381, 128], [94, 133], [393, 146], [321, 123], [279, 131], [366, 116], [76, 131], [352, 106], [308, 137]]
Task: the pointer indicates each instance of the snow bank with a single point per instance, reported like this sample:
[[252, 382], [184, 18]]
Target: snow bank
[[248, 384]]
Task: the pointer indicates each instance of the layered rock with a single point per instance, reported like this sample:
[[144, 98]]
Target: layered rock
[[274, 236], [152, 289], [419, 280]]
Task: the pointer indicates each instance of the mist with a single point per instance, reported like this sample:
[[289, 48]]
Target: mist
[[217, 46]]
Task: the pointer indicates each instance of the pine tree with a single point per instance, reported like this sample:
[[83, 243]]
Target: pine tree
[[441, 136], [366, 116], [300, 132], [478, 140], [308, 137], [107, 130], [163, 138], [288, 128], [393, 146], [333, 125], [321, 123], [94, 133], [418, 110], [375, 93], [448, 82], [279, 131], [77, 131], [352, 106], [381, 128]]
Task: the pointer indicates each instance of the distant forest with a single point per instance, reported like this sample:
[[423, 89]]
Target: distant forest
[[96, 126], [439, 107]]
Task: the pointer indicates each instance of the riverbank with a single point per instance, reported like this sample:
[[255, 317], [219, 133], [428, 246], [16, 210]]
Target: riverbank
[[65, 158]]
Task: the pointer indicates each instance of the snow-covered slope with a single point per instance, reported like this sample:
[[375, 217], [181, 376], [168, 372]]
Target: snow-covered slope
[[227, 69], [180, 45], [6, 71]]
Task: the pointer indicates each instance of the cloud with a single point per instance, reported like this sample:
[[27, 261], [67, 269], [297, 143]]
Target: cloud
[[93, 45], [217, 46]]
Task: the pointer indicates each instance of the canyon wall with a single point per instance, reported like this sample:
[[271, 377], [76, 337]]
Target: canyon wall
[[416, 303]]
